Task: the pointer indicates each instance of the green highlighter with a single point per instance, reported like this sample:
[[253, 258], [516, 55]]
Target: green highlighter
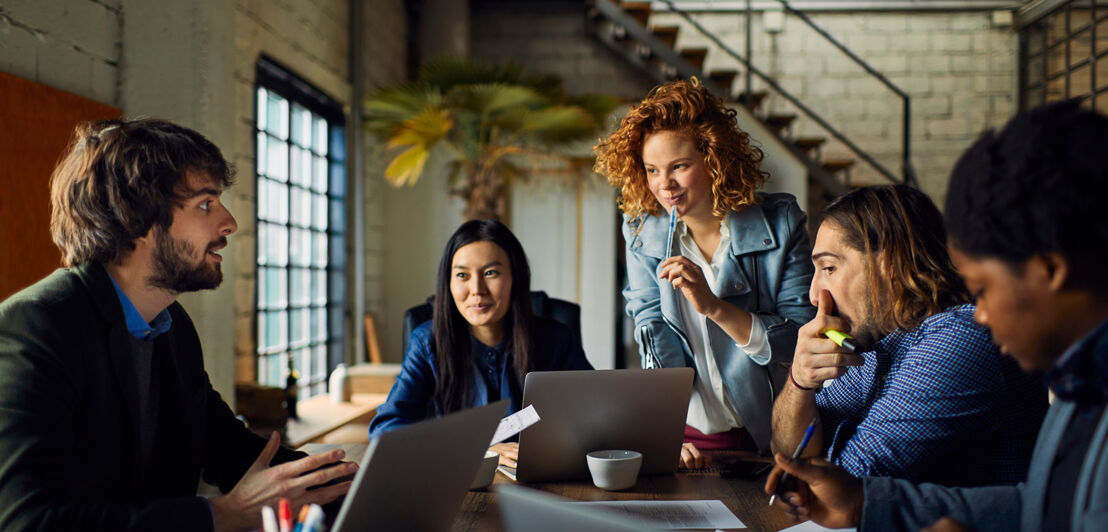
[[842, 340]]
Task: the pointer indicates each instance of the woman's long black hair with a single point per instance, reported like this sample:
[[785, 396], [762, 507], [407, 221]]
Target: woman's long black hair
[[453, 356]]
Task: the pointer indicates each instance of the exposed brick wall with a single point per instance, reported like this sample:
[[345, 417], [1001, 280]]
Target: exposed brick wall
[[550, 37], [72, 45], [958, 70]]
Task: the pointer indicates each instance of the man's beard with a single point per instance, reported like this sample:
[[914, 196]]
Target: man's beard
[[173, 270]]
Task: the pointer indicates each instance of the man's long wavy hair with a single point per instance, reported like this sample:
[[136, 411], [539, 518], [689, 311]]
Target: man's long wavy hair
[[120, 178], [901, 236], [686, 107], [453, 346]]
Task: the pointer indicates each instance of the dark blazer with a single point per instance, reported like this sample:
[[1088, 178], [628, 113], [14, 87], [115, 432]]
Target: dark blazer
[[69, 433]]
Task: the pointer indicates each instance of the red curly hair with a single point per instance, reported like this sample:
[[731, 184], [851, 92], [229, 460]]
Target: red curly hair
[[686, 107]]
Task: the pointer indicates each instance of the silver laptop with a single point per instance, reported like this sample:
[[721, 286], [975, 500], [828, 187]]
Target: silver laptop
[[527, 510], [416, 477], [585, 411]]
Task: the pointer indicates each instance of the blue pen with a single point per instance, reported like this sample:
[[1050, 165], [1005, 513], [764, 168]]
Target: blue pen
[[672, 227], [796, 454]]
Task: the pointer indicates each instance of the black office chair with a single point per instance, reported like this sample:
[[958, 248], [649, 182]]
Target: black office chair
[[569, 314]]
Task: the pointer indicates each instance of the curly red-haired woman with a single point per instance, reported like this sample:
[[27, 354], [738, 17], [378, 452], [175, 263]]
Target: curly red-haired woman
[[718, 273]]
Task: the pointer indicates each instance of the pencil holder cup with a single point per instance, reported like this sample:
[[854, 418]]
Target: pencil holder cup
[[614, 470]]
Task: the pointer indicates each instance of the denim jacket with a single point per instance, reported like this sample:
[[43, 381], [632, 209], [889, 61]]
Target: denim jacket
[[768, 273]]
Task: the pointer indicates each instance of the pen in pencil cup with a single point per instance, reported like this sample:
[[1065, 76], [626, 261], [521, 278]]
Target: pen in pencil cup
[[796, 454], [269, 519]]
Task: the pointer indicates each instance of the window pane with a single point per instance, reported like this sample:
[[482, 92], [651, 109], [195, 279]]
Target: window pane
[[336, 318], [278, 243], [301, 207], [338, 254], [260, 116], [297, 165], [338, 285], [338, 179], [338, 216], [320, 136], [301, 287], [319, 250], [319, 324], [319, 287], [272, 288], [319, 174], [300, 247], [277, 165], [338, 143], [261, 156], [301, 126], [275, 330], [277, 119], [299, 327], [319, 363], [319, 213]]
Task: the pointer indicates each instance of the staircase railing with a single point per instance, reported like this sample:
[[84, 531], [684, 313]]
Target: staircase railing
[[908, 176]]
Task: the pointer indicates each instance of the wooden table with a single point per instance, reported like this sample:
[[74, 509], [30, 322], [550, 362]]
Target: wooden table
[[319, 416], [480, 512]]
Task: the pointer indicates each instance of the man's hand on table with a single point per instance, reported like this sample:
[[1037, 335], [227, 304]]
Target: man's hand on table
[[825, 493], [263, 485]]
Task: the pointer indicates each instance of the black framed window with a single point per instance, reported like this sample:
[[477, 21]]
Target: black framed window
[[1064, 54], [300, 156]]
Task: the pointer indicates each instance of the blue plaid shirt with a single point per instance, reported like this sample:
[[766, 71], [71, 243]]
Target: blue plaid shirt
[[938, 404]]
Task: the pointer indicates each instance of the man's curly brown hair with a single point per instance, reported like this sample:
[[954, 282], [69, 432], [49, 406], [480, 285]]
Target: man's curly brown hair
[[686, 107]]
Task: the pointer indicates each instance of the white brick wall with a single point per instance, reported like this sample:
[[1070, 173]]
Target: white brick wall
[[72, 45]]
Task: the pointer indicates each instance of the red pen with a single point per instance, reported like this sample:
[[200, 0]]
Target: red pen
[[284, 516]]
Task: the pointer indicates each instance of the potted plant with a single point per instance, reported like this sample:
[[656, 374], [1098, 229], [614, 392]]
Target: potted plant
[[491, 121]]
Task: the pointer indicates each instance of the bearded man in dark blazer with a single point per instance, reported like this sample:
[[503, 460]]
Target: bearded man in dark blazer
[[107, 417]]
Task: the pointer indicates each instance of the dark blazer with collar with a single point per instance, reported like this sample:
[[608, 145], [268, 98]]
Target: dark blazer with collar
[[69, 433]]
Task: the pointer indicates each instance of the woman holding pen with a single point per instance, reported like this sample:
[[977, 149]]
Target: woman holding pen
[[482, 339], [717, 273]]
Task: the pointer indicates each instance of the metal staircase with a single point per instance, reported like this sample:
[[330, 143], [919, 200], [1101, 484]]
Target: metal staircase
[[626, 28]]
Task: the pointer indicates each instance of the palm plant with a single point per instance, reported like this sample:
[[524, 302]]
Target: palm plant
[[490, 121]]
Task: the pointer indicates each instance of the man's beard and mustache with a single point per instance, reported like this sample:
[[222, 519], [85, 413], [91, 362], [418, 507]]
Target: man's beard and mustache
[[173, 267]]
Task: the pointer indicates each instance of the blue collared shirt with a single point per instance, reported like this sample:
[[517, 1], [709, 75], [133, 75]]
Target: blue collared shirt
[[135, 324], [938, 404]]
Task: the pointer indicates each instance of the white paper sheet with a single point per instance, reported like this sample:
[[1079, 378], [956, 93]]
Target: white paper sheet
[[811, 526], [514, 424], [675, 514]]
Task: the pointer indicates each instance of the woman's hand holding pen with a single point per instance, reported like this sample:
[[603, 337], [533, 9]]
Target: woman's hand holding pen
[[687, 277], [824, 493], [818, 358]]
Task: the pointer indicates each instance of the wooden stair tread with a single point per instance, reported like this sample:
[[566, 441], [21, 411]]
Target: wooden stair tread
[[695, 56], [756, 97], [724, 78], [809, 143], [834, 165], [640, 11], [780, 121], [666, 34]]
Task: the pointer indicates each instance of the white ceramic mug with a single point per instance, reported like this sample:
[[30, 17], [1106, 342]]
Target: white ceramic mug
[[614, 470]]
